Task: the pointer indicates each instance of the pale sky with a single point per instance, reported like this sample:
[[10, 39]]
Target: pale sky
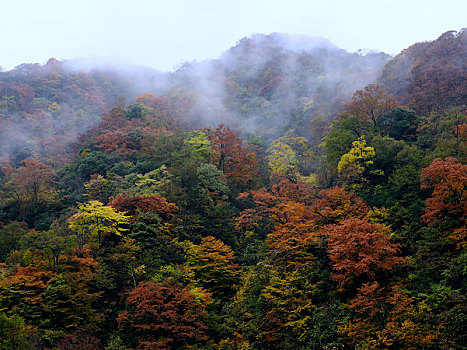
[[163, 34]]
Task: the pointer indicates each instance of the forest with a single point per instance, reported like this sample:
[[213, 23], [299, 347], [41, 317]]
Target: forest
[[279, 197]]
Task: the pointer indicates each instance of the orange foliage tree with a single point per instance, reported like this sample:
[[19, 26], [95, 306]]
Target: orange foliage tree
[[448, 178], [22, 291], [335, 204], [361, 250]]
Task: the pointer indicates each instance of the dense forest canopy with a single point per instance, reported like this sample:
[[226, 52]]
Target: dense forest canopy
[[287, 195]]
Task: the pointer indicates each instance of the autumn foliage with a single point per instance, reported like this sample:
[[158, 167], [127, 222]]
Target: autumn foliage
[[165, 316], [370, 104], [321, 215], [448, 178], [361, 250], [238, 165], [155, 203]]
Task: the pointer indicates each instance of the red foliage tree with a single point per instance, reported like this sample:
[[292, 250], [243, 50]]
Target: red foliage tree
[[119, 134], [155, 203], [448, 178], [239, 166], [31, 182], [79, 342], [113, 132], [30, 188], [165, 316], [359, 249], [266, 201], [439, 74]]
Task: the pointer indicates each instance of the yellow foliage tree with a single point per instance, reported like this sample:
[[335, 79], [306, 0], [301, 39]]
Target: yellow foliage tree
[[359, 156], [286, 153], [212, 264], [94, 220]]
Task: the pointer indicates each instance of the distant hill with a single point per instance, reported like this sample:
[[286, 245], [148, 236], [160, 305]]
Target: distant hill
[[268, 85], [430, 75]]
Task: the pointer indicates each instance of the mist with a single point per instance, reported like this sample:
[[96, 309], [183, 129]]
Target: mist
[[267, 85], [261, 84]]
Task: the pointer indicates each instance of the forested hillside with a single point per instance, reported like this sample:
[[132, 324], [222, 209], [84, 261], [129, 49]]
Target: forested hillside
[[287, 195]]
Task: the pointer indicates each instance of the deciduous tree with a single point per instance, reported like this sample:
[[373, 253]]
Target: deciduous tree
[[448, 178], [165, 316], [94, 220], [238, 165], [370, 104], [212, 264], [360, 251]]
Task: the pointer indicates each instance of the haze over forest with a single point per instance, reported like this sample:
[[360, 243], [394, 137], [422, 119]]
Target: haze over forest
[[259, 85], [265, 84], [288, 194]]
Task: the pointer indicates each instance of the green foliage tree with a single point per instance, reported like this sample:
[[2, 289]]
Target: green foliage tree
[[400, 124], [10, 236], [16, 335], [92, 162], [200, 144], [340, 138], [50, 244], [282, 159], [360, 155], [156, 181], [212, 187]]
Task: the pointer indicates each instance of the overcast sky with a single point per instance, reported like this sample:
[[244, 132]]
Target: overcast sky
[[163, 34]]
